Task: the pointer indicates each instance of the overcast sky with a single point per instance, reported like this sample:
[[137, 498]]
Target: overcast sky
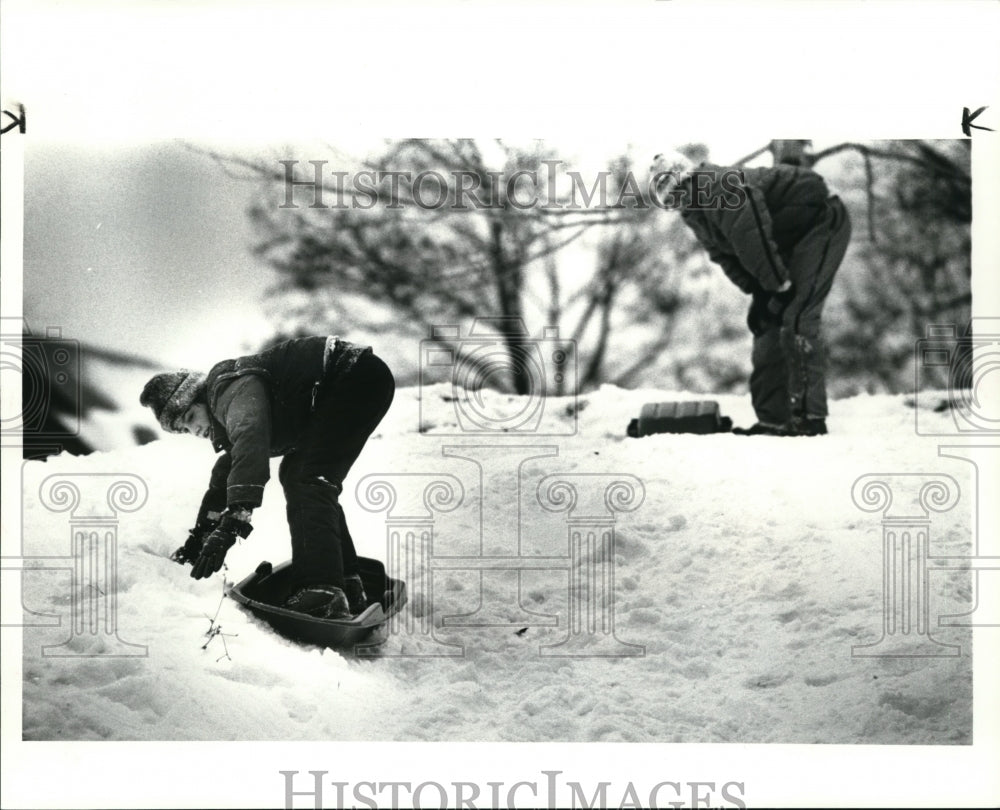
[[140, 248]]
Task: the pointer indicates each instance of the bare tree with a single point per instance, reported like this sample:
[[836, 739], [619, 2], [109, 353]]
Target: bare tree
[[486, 246]]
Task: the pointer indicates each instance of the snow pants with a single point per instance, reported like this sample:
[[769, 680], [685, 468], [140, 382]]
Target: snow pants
[[787, 382], [312, 476]]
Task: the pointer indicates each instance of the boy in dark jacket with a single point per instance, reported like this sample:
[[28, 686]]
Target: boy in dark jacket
[[314, 401], [779, 236]]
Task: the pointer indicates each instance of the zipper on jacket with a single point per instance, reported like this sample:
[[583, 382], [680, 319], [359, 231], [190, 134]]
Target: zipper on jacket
[[763, 239]]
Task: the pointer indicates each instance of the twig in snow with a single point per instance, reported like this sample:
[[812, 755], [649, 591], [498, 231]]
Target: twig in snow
[[215, 629], [216, 632]]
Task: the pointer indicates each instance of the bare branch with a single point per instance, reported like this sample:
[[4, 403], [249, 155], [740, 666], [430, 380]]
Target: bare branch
[[870, 195], [753, 155], [890, 154], [646, 357]]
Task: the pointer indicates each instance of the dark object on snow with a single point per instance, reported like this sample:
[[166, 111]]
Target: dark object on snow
[[143, 435], [701, 417], [59, 391], [803, 427], [265, 590]]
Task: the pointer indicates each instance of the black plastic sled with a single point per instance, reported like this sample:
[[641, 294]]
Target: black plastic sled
[[266, 588], [701, 417]]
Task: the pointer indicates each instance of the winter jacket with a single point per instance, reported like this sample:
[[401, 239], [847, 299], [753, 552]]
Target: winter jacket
[[259, 404], [750, 219]]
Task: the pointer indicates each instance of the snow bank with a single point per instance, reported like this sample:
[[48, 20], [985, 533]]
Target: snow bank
[[747, 573]]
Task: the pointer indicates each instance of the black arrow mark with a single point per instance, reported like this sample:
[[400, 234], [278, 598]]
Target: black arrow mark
[[21, 122], [968, 118]]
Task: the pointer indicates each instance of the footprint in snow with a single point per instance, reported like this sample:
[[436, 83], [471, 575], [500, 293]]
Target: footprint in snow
[[767, 680], [922, 708], [822, 680]]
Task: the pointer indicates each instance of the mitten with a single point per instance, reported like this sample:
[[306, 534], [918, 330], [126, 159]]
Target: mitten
[[222, 538], [780, 300], [189, 552], [759, 318]]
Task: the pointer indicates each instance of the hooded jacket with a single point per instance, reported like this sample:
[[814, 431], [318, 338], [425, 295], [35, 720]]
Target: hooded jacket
[[749, 220], [259, 404]]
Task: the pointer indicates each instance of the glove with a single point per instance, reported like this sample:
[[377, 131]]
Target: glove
[[189, 552], [780, 300], [759, 318], [222, 538], [766, 308]]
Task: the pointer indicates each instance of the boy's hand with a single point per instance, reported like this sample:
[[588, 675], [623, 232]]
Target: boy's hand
[[213, 554], [759, 318], [780, 299], [767, 308], [223, 538], [189, 552]]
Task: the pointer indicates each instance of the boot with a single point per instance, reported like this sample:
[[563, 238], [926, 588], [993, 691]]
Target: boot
[[762, 429], [808, 427], [797, 427], [357, 599], [321, 601]]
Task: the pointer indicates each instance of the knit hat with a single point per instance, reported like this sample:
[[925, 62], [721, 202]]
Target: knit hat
[[171, 394], [673, 161], [667, 171]]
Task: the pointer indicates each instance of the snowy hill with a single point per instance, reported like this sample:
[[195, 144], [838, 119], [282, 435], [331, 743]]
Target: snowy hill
[[745, 571]]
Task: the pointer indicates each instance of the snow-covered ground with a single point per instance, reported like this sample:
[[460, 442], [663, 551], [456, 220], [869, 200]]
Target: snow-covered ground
[[747, 573]]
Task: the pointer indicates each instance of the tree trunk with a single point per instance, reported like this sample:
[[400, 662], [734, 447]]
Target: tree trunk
[[507, 276]]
